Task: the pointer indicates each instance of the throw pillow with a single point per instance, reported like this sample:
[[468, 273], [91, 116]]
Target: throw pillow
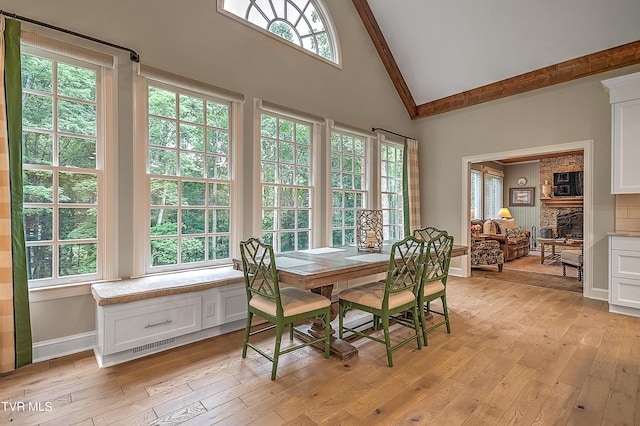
[[514, 232], [508, 223]]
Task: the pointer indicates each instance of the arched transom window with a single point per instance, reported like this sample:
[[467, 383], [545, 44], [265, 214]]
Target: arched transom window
[[305, 23]]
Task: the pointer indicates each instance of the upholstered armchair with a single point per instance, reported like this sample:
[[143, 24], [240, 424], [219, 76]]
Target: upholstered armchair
[[487, 252]]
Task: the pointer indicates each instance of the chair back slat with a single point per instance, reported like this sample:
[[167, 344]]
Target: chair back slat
[[259, 268], [427, 233], [406, 264], [438, 254]]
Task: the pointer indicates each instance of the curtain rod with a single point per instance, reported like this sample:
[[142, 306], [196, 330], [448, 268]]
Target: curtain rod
[[373, 129], [132, 53]]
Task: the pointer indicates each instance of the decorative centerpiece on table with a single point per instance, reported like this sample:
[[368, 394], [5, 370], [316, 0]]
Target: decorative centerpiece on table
[[369, 230]]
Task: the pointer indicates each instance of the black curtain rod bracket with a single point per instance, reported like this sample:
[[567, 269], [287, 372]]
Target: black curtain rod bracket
[[133, 55], [373, 129]]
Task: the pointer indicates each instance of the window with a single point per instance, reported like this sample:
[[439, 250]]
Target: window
[[189, 178], [391, 157], [285, 177], [348, 185], [476, 195], [486, 193], [63, 168], [492, 195], [303, 23]]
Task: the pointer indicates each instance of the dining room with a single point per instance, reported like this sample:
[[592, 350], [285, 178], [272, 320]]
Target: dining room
[[145, 142]]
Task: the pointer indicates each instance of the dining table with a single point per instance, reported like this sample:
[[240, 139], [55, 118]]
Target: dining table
[[320, 269]]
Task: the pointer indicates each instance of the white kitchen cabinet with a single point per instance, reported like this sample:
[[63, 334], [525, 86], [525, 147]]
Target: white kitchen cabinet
[[624, 275], [624, 96]]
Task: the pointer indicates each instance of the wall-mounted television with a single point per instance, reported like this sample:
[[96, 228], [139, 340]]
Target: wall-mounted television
[[568, 184]]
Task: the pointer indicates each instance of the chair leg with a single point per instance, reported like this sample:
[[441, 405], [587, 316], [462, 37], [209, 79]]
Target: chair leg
[[500, 267], [445, 310], [291, 331], [580, 273], [327, 333], [423, 322], [340, 319], [276, 351], [564, 270], [387, 338], [416, 325], [247, 330]]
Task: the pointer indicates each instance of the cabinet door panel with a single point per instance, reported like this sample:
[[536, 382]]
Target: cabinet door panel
[[129, 328], [625, 292], [626, 147], [625, 264]]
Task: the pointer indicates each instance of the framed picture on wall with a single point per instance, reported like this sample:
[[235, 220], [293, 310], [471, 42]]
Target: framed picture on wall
[[522, 196]]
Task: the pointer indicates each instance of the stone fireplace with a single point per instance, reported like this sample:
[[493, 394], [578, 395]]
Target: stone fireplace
[[552, 215], [569, 225]]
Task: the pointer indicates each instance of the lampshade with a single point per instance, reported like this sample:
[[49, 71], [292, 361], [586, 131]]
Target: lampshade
[[504, 212]]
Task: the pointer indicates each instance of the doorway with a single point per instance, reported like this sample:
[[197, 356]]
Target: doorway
[[587, 148]]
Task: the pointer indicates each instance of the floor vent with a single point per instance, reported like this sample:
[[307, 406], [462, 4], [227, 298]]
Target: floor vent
[[152, 345]]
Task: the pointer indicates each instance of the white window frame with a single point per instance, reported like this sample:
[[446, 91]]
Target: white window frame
[[280, 15], [389, 211], [476, 209], [486, 211], [315, 185], [366, 175], [106, 239], [148, 76], [493, 198]]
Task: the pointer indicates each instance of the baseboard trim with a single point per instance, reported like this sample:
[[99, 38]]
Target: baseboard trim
[[457, 272], [55, 348]]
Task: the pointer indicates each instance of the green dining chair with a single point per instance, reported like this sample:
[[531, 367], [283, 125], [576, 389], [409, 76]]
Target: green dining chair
[[279, 306], [434, 281], [397, 293]]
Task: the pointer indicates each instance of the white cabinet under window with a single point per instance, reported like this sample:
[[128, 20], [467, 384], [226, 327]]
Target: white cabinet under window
[[624, 275], [130, 330], [624, 95]]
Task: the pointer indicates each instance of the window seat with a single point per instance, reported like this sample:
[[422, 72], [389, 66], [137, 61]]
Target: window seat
[[141, 316], [133, 289]]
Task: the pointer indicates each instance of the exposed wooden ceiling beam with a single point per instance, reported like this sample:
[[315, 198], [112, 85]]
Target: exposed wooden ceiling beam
[[605, 60], [539, 157], [384, 51]]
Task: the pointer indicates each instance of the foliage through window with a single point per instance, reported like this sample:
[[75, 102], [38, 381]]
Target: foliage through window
[[189, 178], [476, 195], [301, 22], [62, 169], [348, 185], [285, 176], [391, 157]]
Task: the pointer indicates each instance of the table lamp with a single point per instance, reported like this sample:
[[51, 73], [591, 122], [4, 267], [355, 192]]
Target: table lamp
[[504, 213]]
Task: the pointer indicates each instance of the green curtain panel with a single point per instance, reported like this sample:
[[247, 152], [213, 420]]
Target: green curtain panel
[[13, 94]]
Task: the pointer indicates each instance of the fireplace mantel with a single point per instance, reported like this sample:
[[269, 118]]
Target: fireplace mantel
[[562, 201]]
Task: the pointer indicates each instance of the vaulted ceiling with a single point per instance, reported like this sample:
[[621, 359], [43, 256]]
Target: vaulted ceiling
[[446, 55]]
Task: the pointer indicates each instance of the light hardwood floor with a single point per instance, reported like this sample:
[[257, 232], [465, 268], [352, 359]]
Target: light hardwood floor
[[516, 354]]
